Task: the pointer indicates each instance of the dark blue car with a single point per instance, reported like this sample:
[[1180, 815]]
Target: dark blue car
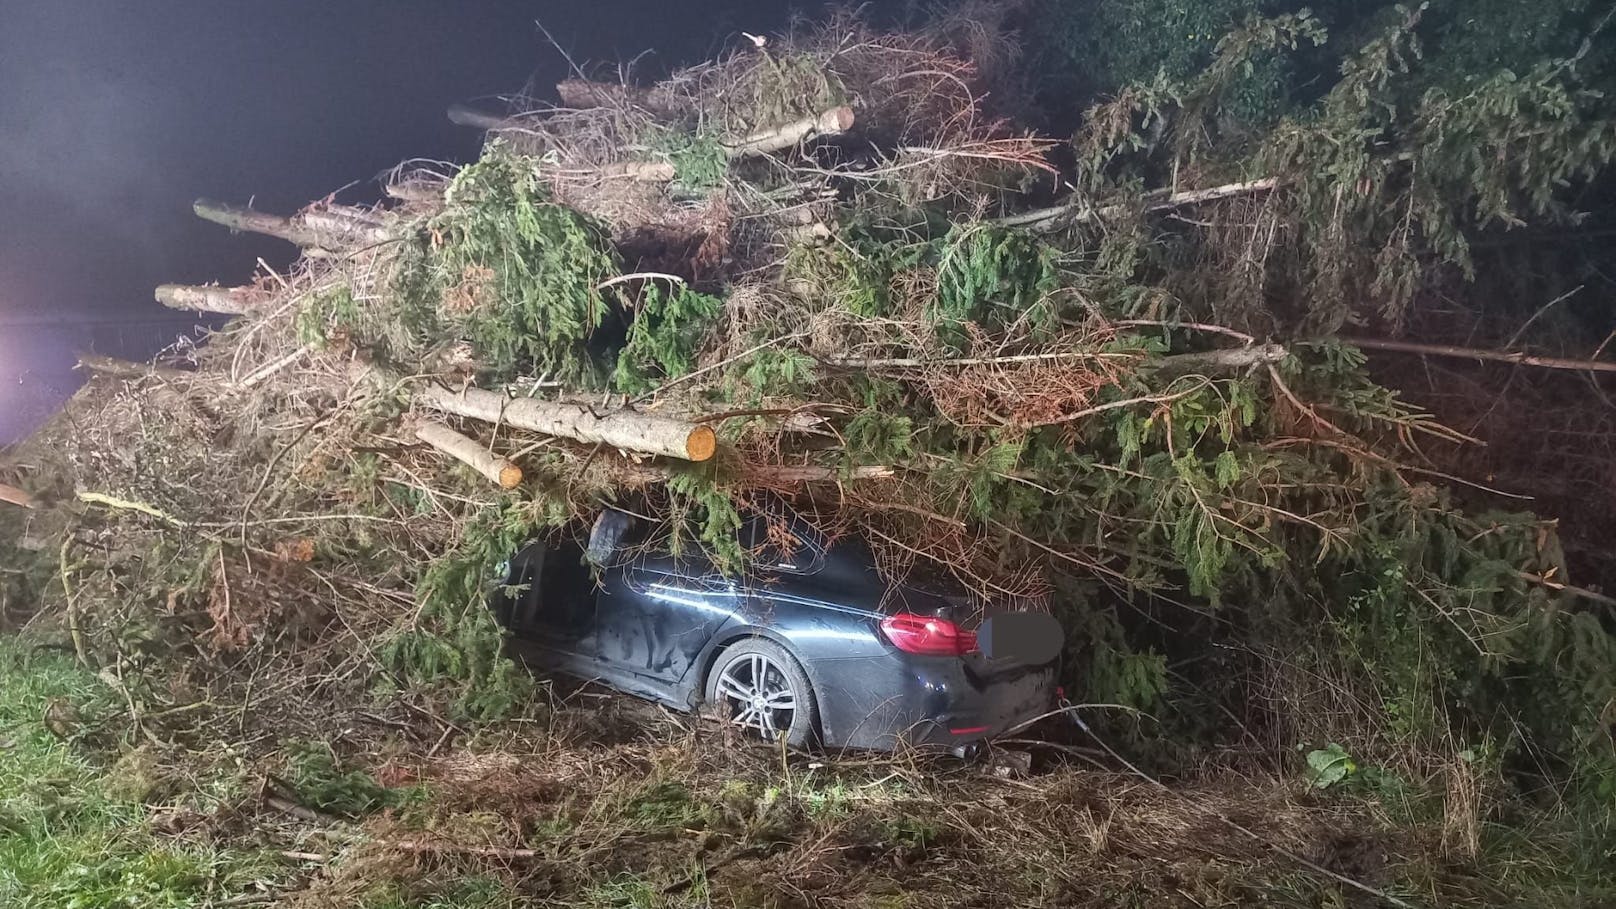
[[810, 644]]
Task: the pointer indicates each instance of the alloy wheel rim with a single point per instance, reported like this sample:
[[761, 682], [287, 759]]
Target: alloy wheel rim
[[758, 695]]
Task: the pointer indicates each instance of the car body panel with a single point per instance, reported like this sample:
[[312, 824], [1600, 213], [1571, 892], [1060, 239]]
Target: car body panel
[[654, 626]]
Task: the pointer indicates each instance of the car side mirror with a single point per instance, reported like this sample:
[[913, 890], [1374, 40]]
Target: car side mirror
[[606, 537]]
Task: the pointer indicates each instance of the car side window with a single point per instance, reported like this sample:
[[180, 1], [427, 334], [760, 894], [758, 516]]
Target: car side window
[[777, 546]]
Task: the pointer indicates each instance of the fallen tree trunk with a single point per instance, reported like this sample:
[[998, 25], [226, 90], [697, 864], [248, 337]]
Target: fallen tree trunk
[[830, 123], [344, 226], [14, 496], [1226, 358], [1476, 353], [628, 430], [638, 475], [256, 222], [461, 115], [471, 453], [126, 369], [329, 229], [414, 191], [233, 301], [582, 94], [641, 171]]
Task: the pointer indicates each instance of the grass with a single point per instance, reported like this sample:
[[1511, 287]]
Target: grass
[[662, 820], [72, 834]]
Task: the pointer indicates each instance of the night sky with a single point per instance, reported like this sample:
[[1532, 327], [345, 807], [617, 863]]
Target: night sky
[[115, 116]]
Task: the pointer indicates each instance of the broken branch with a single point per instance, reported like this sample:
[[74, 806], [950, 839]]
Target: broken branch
[[1071, 212], [1476, 353]]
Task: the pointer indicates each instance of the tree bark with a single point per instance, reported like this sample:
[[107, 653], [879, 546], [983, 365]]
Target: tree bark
[[832, 122], [14, 496], [233, 301], [627, 430], [471, 453], [1475, 353]]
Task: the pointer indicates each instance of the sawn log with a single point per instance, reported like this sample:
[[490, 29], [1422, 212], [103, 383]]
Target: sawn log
[[628, 430], [471, 453]]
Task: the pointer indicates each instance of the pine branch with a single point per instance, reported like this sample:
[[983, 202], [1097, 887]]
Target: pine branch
[[1478, 353]]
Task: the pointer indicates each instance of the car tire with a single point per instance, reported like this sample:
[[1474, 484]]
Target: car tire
[[732, 695]]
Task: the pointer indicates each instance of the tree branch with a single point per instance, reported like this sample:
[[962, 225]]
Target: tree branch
[[1074, 212], [1477, 353]]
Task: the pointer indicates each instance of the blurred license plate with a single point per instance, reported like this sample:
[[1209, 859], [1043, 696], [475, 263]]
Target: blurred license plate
[[1033, 638]]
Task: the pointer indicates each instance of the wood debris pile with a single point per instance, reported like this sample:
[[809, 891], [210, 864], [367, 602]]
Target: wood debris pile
[[819, 269]]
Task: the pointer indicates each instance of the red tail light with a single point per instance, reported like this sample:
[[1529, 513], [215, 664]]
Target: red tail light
[[927, 635]]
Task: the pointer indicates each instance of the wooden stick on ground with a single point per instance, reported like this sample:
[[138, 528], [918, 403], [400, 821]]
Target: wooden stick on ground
[[624, 429], [471, 453], [14, 496]]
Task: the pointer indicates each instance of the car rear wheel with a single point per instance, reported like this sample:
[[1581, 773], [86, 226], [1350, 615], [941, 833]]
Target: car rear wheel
[[757, 686]]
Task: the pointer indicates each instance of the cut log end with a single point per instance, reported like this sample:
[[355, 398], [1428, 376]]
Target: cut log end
[[837, 120], [468, 451], [702, 443], [11, 495]]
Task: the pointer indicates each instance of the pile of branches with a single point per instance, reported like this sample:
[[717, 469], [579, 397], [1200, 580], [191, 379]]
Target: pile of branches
[[821, 270]]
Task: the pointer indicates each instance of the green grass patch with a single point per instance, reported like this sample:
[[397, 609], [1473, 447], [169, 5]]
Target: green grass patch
[[72, 834], [476, 891]]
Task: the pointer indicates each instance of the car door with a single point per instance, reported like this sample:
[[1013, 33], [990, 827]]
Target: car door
[[551, 596], [655, 614]]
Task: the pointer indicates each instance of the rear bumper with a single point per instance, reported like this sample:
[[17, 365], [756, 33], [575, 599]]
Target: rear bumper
[[976, 714], [930, 703]]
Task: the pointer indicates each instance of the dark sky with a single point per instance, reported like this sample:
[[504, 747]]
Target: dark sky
[[115, 115]]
